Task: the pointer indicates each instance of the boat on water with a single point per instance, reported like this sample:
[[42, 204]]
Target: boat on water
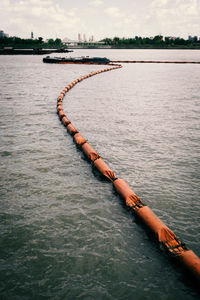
[[76, 60], [31, 51]]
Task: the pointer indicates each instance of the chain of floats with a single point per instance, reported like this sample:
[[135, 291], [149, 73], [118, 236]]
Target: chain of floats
[[155, 62], [162, 233]]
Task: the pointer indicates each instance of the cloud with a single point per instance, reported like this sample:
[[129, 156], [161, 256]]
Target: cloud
[[49, 18], [176, 7], [159, 3], [114, 12], [179, 17], [43, 17], [96, 3]]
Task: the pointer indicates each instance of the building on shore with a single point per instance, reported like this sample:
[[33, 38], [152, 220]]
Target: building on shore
[[83, 42], [91, 39], [3, 34], [68, 42], [84, 38], [79, 38], [192, 38]]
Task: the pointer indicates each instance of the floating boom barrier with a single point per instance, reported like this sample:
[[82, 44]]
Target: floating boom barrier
[[154, 62], [163, 235]]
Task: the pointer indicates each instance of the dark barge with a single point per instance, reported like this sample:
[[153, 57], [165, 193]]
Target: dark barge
[[76, 60]]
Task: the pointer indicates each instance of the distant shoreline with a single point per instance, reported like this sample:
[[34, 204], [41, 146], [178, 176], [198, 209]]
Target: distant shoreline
[[43, 51], [135, 48]]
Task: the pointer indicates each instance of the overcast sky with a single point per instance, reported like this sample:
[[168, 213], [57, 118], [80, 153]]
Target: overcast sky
[[101, 18]]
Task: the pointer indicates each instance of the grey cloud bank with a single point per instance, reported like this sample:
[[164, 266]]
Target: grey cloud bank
[[100, 18]]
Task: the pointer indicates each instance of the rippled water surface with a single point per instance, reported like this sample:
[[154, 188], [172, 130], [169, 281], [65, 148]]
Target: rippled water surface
[[65, 234]]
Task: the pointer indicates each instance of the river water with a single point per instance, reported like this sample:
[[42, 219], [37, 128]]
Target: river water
[[65, 234]]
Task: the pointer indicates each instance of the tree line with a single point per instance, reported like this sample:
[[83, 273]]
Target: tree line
[[157, 41], [30, 43]]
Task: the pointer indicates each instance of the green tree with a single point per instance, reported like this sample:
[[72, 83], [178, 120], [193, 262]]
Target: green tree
[[107, 41], [58, 42], [116, 41], [40, 39], [51, 42]]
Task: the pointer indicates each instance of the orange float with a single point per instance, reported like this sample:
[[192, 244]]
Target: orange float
[[162, 233], [61, 114], [89, 151], [104, 169], [59, 107], [191, 262], [65, 121], [71, 129], [79, 139], [124, 190]]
